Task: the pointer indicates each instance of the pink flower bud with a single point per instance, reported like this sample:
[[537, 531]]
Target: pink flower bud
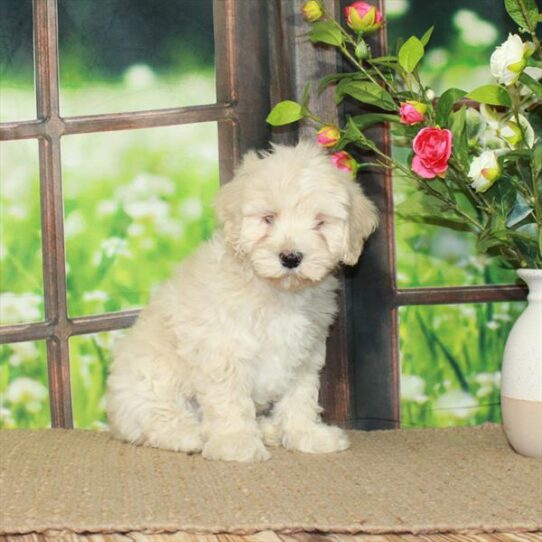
[[344, 161], [328, 136], [312, 11], [362, 17], [412, 112]]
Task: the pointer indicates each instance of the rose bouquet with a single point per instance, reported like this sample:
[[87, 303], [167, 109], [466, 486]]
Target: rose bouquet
[[476, 157]]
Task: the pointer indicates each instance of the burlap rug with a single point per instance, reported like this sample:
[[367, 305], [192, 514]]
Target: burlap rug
[[418, 481]]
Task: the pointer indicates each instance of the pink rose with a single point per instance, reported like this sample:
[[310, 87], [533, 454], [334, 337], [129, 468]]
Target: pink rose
[[432, 148], [328, 136], [362, 17], [344, 161], [412, 112]]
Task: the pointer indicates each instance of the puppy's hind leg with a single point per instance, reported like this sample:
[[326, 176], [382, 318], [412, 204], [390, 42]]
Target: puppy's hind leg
[[170, 426], [152, 412]]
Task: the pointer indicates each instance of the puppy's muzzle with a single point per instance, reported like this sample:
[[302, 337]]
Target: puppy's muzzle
[[290, 260]]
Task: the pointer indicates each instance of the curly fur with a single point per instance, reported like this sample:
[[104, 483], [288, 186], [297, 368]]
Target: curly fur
[[227, 355]]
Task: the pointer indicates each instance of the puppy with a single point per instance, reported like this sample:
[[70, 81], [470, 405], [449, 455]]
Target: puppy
[[227, 356]]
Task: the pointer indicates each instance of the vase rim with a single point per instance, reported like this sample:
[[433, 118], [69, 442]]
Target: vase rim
[[530, 272]]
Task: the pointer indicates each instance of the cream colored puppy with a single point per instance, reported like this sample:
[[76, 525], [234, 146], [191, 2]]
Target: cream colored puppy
[[227, 355]]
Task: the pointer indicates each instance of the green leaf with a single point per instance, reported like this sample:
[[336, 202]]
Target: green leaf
[[503, 196], [540, 241], [422, 207], [369, 93], [427, 36], [523, 12], [460, 142], [536, 161], [332, 78], [370, 119], [325, 32], [410, 54], [491, 95], [446, 103], [386, 60], [521, 210], [532, 83], [285, 112]]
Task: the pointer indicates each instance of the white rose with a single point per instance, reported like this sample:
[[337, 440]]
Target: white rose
[[484, 171], [507, 61]]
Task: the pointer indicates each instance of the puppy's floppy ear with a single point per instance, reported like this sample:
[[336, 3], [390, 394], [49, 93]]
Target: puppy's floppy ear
[[229, 200], [362, 221]]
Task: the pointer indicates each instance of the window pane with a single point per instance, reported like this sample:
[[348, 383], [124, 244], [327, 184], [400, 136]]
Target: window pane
[[21, 286], [136, 203], [16, 64], [90, 356], [24, 394], [457, 56], [134, 55], [451, 357]]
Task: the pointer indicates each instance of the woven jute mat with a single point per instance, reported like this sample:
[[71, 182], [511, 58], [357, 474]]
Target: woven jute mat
[[407, 481]]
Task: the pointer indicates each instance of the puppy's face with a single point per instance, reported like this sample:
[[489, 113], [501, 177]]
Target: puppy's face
[[294, 216]]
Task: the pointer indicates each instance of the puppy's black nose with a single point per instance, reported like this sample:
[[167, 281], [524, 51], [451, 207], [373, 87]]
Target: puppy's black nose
[[290, 259]]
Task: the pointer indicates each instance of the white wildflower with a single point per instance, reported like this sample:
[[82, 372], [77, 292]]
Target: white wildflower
[[107, 207], [151, 208], [396, 8], [191, 208], [135, 229], [437, 58], [456, 404], [17, 211], [169, 228], [27, 392], [111, 248], [22, 352], [74, 224], [95, 296], [493, 325], [413, 388], [474, 30], [6, 418], [139, 77], [17, 308]]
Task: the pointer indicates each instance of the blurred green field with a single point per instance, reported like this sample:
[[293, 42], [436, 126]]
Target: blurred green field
[[137, 202]]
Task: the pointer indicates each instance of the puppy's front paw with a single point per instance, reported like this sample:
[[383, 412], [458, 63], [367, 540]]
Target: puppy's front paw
[[317, 438], [235, 447], [271, 431]]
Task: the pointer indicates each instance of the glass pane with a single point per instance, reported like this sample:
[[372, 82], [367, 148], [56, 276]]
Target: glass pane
[[451, 357], [136, 203], [24, 394], [90, 356], [17, 101], [134, 55], [21, 286], [457, 56]]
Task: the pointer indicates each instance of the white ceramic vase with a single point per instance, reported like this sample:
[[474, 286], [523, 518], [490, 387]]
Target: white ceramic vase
[[521, 386]]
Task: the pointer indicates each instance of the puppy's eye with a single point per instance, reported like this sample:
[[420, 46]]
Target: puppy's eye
[[319, 223], [269, 219]]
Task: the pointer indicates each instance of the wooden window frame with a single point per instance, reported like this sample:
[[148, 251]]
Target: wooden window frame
[[259, 60], [239, 112]]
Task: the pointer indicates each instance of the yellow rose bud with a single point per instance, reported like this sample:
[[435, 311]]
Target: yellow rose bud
[[312, 11], [328, 136]]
